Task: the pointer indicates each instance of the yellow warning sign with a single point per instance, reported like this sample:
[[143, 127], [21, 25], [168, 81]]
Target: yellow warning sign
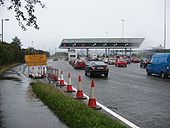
[[36, 60]]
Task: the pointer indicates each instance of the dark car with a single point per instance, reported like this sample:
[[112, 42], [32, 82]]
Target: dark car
[[96, 68]]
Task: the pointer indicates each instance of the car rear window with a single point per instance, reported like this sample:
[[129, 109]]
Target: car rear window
[[100, 63]]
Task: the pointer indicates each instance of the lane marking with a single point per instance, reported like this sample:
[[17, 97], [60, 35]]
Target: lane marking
[[132, 125]]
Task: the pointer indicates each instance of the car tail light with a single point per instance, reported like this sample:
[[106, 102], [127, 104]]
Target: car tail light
[[93, 67], [107, 68]]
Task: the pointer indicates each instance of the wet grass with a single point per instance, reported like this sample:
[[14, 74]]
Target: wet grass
[[72, 112]]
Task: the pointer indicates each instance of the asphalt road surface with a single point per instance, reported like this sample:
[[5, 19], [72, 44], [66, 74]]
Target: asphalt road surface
[[143, 100]]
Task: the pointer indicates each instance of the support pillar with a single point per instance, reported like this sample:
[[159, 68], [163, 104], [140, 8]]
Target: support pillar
[[87, 53], [105, 52], [130, 52]]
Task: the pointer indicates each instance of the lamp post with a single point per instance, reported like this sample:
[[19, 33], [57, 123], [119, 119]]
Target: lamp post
[[122, 28], [164, 25], [3, 27], [122, 31]]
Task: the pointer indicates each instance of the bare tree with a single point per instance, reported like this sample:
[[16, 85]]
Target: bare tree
[[22, 6]]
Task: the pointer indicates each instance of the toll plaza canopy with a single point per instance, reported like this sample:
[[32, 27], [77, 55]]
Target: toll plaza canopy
[[101, 43]]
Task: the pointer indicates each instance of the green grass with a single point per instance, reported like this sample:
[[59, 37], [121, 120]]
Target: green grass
[[72, 112]]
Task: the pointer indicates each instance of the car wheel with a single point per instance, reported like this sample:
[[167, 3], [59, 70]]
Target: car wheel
[[85, 73], [106, 75], [148, 73], [163, 75], [91, 74]]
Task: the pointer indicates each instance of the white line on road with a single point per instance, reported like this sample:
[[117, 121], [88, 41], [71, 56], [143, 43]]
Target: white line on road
[[132, 125]]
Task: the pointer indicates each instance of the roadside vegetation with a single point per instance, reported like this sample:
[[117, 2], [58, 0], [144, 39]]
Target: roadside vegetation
[[72, 112], [12, 53]]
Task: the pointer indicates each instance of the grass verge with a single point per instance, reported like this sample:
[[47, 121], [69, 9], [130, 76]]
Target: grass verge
[[72, 112], [6, 67]]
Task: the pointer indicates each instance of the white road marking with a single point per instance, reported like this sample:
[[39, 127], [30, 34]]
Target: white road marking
[[132, 125]]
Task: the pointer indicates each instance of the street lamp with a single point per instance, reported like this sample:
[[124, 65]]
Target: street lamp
[[164, 25], [122, 28], [3, 27]]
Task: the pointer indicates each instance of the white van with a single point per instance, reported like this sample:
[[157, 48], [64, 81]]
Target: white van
[[72, 55]]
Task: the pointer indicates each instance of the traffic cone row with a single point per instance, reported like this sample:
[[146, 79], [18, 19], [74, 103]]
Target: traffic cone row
[[79, 93]]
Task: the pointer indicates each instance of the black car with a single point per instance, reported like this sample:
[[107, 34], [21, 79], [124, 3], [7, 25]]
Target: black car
[[96, 68]]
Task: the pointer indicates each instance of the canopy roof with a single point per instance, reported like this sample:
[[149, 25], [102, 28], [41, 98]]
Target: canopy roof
[[94, 43]]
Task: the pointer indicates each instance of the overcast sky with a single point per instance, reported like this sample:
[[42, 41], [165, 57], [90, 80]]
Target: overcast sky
[[92, 18]]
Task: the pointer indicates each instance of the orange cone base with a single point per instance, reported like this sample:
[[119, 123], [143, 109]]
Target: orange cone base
[[92, 104], [62, 83], [69, 89], [80, 95], [51, 76], [55, 78]]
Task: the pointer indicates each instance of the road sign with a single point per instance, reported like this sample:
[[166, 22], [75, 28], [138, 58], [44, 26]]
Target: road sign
[[36, 60]]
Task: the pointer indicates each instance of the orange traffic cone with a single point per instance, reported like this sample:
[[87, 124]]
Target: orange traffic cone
[[92, 98], [69, 86], [61, 79], [56, 75], [79, 94]]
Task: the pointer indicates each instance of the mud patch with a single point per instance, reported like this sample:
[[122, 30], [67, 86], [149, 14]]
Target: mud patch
[[9, 78]]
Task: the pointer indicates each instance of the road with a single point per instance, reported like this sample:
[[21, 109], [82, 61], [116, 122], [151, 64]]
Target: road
[[19, 108], [143, 100]]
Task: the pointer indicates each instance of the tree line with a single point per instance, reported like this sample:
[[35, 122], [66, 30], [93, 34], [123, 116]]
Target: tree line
[[13, 53]]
